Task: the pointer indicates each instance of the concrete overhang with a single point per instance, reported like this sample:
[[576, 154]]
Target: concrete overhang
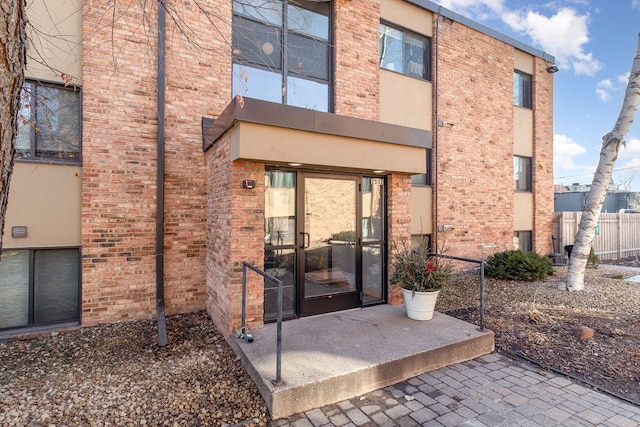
[[281, 134]]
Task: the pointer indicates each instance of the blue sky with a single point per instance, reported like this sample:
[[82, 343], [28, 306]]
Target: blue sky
[[594, 42]]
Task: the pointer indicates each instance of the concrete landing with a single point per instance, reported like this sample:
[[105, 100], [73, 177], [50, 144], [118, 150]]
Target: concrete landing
[[333, 357]]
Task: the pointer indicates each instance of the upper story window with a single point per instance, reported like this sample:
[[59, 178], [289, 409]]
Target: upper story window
[[522, 89], [522, 173], [405, 52], [49, 123], [282, 52], [424, 178]]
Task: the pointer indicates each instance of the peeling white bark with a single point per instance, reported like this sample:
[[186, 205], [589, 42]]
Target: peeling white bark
[[611, 143]]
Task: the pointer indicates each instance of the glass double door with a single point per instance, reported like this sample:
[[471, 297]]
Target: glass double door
[[329, 251]]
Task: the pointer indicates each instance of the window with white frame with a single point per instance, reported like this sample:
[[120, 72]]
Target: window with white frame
[[282, 52], [404, 51], [522, 173], [49, 123]]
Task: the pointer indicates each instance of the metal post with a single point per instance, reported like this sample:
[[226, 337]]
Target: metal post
[[244, 297], [278, 380], [482, 296]]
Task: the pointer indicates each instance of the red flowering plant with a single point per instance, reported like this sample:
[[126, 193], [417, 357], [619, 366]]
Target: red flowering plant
[[417, 269]]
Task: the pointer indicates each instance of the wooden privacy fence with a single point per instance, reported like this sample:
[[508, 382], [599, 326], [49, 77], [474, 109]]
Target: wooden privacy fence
[[619, 233]]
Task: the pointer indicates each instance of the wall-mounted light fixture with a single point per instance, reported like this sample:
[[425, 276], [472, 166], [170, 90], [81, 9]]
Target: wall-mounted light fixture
[[552, 69], [19, 231], [295, 165], [445, 123]]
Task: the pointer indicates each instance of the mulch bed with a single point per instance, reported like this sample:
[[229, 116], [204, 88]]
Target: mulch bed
[[536, 321], [609, 361]]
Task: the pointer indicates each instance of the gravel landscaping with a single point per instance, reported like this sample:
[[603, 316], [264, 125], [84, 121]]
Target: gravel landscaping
[[540, 323], [117, 375]]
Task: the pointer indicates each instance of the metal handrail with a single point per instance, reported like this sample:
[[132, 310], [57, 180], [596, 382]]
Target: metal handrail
[[476, 261], [278, 381]]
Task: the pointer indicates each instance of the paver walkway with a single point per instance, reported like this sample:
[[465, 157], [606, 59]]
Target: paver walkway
[[493, 390]]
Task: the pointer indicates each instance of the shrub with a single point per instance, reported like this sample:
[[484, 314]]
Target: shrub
[[518, 265]]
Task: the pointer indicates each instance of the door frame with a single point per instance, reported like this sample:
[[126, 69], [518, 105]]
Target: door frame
[[331, 302]]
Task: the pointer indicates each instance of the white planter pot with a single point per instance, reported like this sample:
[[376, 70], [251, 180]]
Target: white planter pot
[[420, 305]]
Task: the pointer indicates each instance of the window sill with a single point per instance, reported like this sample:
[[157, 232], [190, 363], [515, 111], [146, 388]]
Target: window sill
[[49, 161]]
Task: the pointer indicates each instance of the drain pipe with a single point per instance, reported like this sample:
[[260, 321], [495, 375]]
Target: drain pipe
[[435, 151], [160, 135]]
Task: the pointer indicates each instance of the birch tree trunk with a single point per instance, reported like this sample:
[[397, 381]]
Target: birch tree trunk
[[13, 46], [611, 143]]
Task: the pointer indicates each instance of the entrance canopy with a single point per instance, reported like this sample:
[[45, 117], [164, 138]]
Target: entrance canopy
[[282, 134]]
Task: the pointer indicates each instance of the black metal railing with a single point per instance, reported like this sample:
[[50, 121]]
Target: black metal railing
[[278, 381], [475, 261]]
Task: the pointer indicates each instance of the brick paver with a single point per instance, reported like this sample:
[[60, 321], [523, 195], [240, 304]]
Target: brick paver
[[491, 390]]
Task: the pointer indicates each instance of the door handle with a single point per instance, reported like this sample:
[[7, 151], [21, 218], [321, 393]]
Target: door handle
[[305, 242]]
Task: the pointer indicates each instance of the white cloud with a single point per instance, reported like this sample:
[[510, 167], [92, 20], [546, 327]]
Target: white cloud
[[564, 150], [562, 35], [632, 151], [624, 78], [604, 89], [635, 4]]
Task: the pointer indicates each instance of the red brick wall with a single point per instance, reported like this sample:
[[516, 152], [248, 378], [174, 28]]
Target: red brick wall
[[475, 156], [357, 76], [399, 223], [119, 156], [235, 233], [542, 158]]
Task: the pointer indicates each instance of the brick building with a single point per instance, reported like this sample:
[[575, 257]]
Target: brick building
[[304, 137]]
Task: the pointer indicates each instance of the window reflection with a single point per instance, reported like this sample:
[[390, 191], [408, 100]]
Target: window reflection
[[257, 83], [308, 94], [280, 208], [260, 37]]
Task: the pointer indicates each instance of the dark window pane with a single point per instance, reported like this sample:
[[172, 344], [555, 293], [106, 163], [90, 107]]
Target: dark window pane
[[269, 11], [281, 265], [257, 83], [420, 240], [522, 90], [391, 51], [14, 289], [25, 122], [56, 285], [373, 209], [308, 57], [309, 17], [525, 240], [307, 94], [58, 123], [419, 179], [414, 53], [372, 274], [256, 43]]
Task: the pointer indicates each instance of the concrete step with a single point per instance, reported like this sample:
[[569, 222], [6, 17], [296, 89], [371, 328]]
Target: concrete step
[[336, 356]]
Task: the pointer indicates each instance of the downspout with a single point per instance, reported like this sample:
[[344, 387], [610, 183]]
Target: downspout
[[160, 135], [435, 136]]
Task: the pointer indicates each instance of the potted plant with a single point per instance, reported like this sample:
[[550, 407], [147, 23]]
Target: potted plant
[[421, 275]]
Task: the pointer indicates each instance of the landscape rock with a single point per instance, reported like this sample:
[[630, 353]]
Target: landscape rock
[[583, 333]]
